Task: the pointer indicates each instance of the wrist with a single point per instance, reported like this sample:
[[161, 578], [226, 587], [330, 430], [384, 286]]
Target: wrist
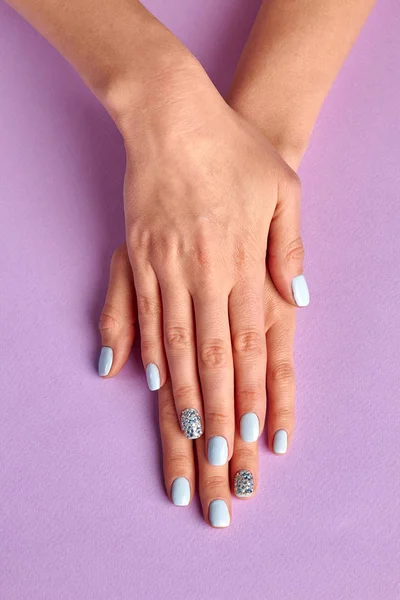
[[133, 95], [145, 64], [288, 133], [159, 113]]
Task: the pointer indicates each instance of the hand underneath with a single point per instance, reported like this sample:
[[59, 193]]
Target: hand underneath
[[117, 327]]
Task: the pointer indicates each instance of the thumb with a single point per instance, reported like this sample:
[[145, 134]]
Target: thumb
[[118, 317], [285, 254]]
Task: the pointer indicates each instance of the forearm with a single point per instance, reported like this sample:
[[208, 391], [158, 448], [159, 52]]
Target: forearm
[[292, 57], [119, 49]]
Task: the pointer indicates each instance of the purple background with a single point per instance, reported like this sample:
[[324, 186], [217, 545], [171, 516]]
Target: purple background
[[83, 510]]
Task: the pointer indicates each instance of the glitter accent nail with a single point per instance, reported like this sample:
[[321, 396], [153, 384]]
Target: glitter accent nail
[[191, 423], [244, 484]]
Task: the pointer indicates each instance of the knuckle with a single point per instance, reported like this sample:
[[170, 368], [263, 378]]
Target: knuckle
[[148, 347], [177, 338], [241, 254], [213, 354], [218, 419], [138, 237], [215, 483], [184, 395], [251, 397], [294, 251], [282, 413], [167, 412], [245, 456], [110, 318], [164, 251], [282, 373], [203, 258], [148, 306], [249, 343], [205, 263], [179, 462]]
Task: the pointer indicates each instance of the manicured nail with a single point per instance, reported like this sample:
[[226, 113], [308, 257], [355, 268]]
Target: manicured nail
[[249, 427], [219, 514], [191, 423], [243, 484], [280, 442], [105, 361], [153, 377], [300, 291], [180, 491], [217, 451]]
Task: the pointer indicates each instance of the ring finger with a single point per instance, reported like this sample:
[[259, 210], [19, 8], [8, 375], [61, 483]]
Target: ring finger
[[214, 351], [179, 342], [244, 469], [178, 457]]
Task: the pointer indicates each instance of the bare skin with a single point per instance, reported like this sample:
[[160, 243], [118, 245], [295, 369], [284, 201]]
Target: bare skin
[[215, 482], [292, 57], [206, 186]]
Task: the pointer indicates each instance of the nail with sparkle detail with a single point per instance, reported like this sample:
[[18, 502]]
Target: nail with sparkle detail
[[244, 484], [191, 423]]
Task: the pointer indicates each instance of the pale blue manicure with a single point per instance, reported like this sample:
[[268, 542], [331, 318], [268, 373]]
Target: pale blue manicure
[[217, 451], [280, 442], [249, 427], [180, 491], [300, 291], [153, 377], [105, 361], [219, 514]]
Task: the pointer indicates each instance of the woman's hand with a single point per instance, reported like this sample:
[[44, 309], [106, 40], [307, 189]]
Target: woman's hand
[[117, 328], [203, 191]]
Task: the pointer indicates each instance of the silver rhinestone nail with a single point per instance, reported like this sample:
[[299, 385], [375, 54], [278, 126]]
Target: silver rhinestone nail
[[244, 484], [191, 423]]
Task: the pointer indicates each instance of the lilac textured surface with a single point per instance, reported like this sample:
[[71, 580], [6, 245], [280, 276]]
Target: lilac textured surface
[[83, 513]]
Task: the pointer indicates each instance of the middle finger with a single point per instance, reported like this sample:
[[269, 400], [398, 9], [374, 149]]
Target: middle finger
[[214, 355]]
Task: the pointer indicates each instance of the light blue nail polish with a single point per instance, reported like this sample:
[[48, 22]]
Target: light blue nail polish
[[249, 427], [153, 377], [180, 491], [280, 442], [300, 291], [218, 514], [105, 361], [217, 451]]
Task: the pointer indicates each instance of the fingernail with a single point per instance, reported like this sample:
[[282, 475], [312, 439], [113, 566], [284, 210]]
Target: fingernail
[[105, 361], [249, 427], [219, 514], [280, 442], [153, 377], [191, 423], [180, 491], [243, 484], [300, 291], [217, 451]]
